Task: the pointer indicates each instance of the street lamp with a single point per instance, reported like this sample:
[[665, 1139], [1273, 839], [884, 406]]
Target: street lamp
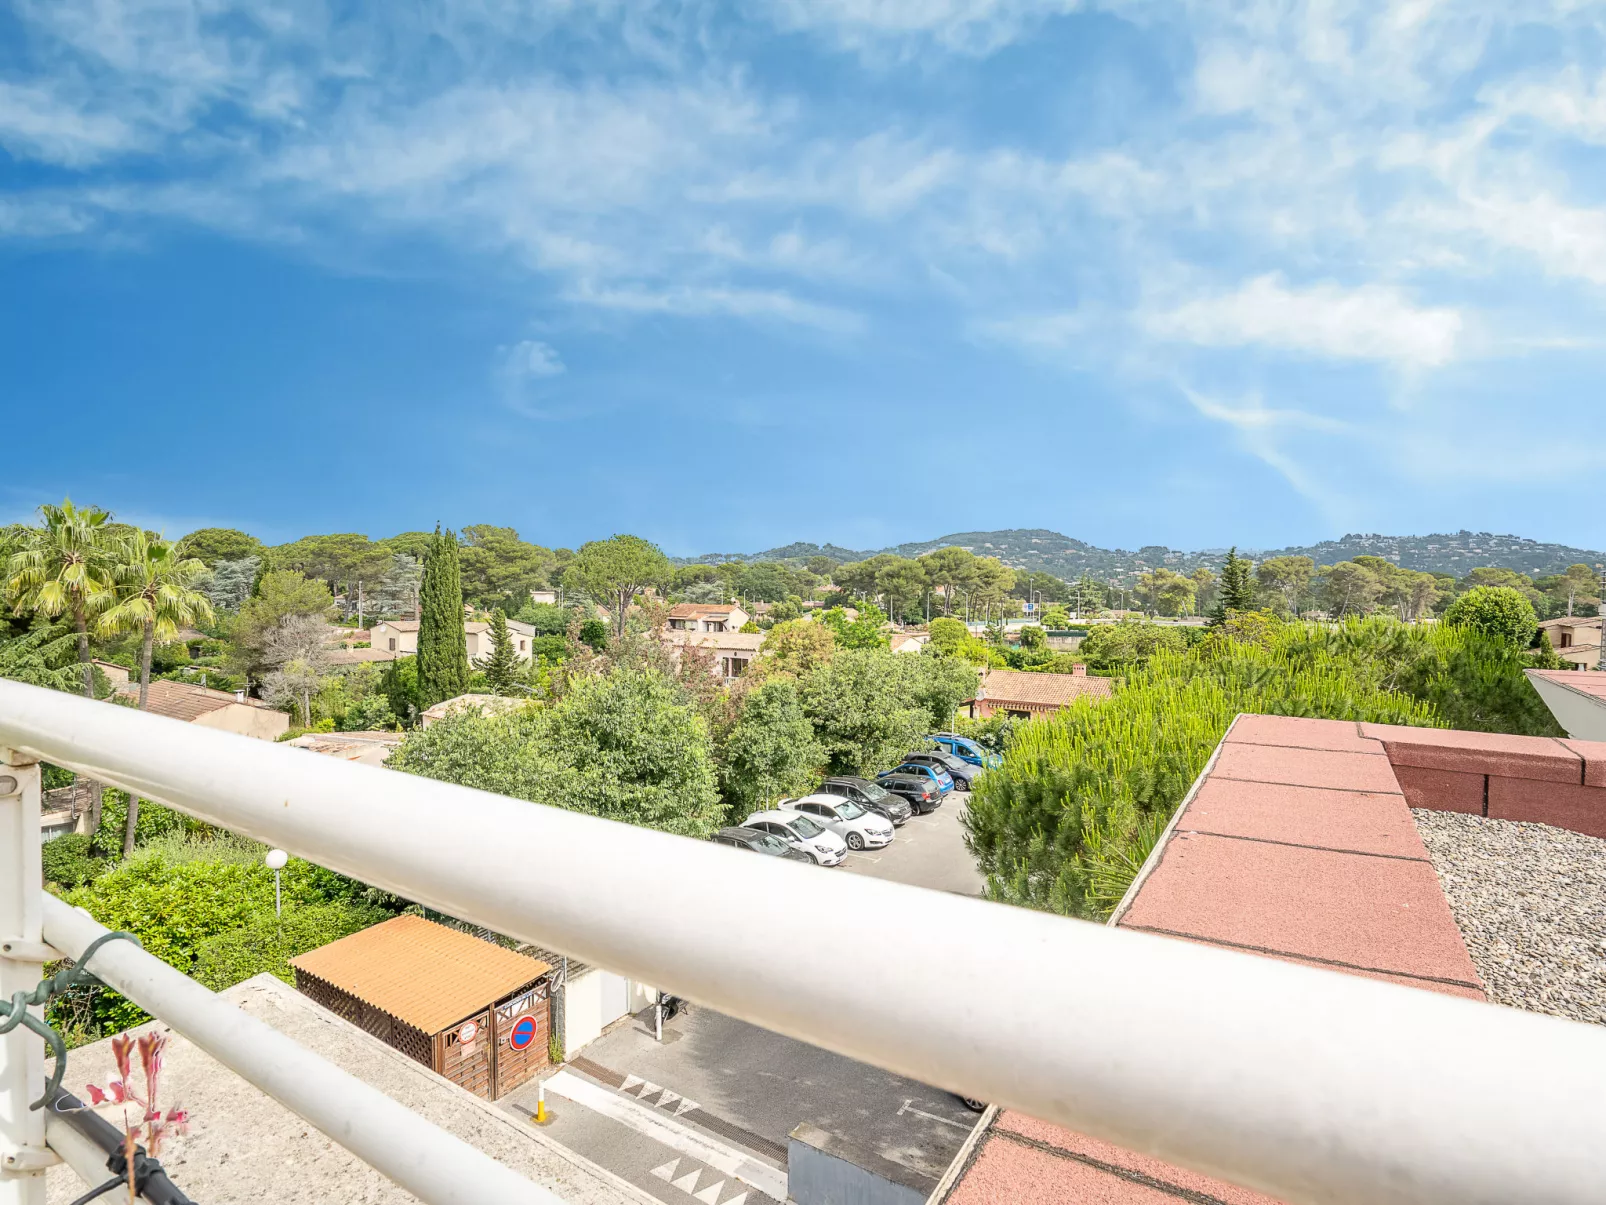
[[276, 859]]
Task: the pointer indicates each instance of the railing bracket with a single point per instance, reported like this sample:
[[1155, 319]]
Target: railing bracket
[[28, 1160], [20, 949]]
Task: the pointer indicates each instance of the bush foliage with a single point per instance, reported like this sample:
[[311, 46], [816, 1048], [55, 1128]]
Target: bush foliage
[[1083, 796]]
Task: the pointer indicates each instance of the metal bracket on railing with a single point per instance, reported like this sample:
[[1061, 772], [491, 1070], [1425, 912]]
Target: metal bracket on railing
[[15, 1011], [20, 949], [28, 1160]]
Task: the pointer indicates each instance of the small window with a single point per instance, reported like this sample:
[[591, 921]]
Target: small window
[[393, 644]]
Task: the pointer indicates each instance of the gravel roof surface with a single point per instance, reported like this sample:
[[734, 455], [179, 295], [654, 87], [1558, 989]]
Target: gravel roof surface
[[1530, 901]]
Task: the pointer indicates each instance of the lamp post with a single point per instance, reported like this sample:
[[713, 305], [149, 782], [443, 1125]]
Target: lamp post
[[276, 858]]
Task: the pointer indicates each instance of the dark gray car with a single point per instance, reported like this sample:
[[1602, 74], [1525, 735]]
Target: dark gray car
[[740, 837], [920, 790], [868, 795]]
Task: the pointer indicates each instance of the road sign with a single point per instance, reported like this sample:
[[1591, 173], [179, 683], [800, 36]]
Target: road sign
[[522, 1034]]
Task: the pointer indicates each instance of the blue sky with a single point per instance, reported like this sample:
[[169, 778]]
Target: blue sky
[[850, 270]]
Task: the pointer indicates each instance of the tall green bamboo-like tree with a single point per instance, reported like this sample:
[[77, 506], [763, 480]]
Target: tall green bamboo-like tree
[[156, 596], [443, 670]]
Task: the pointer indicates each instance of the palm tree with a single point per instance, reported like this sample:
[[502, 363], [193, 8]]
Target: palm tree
[[156, 596], [63, 567]]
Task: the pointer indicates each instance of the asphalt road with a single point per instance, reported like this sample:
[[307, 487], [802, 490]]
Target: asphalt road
[[766, 1084], [929, 851]]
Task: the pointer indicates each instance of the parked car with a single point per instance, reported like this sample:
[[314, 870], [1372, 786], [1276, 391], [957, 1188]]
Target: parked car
[[961, 771], [942, 778], [967, 750], [802, 833], [860, 828], [869, 795], [920, 790], [759, 842]]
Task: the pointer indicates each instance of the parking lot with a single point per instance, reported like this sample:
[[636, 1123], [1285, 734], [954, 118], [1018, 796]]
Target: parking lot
[[929, 851]]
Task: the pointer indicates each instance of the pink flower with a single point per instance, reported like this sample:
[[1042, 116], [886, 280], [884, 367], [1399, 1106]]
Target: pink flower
[[151, 1044], [96, 1096], [121, 1045]]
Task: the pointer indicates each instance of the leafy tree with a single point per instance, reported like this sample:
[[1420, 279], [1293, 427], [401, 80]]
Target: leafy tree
[[211, 545], [1056, 618], [63, 568], [618, 569], [41, 653], [1205, 584], [443, 670], [501, 666], [299, 656], [1117, 647], [548, 619], [1033, 637], [395, 592], [795, 647], [498, 568], [413, 544], [868, 631], [901, 582], [399, 684], [949, 634], [771, 750], [1348, 588], [948, 569], [1579, 586], [594, 634], [1284, 582], [281, 593], [1497, 611], [937, 683], [229, 583], [862, 710], [1167, 591], [619, 745]]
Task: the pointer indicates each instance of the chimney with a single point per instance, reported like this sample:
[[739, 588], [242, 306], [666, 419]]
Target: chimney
[[239, 696], [1078, 670]]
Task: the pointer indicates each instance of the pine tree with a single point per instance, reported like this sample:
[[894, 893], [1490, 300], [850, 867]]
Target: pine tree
[[1236, 592], [442, 646], [501, 665]]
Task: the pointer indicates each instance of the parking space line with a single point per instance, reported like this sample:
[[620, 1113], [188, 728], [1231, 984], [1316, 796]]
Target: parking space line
[[909, 1107]]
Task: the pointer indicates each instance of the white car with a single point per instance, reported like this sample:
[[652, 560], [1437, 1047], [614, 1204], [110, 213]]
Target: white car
[[801, 832], [859, 827]]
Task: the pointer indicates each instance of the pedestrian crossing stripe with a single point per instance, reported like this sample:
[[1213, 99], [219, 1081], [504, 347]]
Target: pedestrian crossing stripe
[[689, 1181], [668, 1098], [711, 1193], [632, 1081], [686, 1106], [667, 1171]]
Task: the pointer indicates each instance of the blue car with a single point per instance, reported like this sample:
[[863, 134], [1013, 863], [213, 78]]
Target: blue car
[[967, 750], [942, 778]]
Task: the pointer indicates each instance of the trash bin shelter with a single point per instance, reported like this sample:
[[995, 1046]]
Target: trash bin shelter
[[475, 1012]]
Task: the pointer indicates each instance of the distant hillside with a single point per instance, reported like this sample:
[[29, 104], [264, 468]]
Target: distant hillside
[[1046, 551]]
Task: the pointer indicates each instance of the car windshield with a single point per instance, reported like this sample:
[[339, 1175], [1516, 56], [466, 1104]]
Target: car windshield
[[849, 810], [770, 843], [874, 793], [804, 827]]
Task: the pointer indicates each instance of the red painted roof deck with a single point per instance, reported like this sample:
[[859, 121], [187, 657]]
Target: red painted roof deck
[[1298, 844]]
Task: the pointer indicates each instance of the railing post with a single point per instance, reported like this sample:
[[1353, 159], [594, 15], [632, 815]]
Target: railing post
[[23, 1155]]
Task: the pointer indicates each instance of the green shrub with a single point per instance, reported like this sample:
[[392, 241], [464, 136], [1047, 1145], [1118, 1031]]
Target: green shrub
[[1497, 611], [595, 633], [69, 860], [1119, 647], [267, 942], [154, 821]]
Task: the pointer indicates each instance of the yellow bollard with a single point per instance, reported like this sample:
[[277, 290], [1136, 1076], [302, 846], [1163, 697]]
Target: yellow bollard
[[540, 1103]]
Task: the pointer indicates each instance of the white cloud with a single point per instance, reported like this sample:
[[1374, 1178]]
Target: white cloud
[[967, 26], [41, 124], [1369, 322], [532, 358]]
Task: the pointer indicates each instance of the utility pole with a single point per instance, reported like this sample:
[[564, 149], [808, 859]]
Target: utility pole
[[1600, 611]]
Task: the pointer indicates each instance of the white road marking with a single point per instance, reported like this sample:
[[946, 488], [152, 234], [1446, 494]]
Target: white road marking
[[689, 1181], [736, 1200], [908, 1107], [686, 1106], [633, 1081], [667, 1099], [678, 1136], [711, 1193], [668, 1170]]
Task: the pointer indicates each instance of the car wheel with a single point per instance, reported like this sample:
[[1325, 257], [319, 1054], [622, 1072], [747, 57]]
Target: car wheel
[[855, 842], [975, 1106]]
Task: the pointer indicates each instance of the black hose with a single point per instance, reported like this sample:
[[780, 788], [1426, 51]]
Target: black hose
[[149, 1178]]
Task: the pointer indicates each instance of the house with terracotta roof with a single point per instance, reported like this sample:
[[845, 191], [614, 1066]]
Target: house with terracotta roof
[[392, 638], [212, 708], [728, 652], [706, 617], [1024, 695], [1438, 860]]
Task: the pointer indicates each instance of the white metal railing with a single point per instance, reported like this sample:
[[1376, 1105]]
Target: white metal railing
[[1310, 1085]]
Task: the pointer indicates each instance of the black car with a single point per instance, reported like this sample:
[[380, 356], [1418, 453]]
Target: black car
[[922, 793], [962, 772], [740, 837], [870, 796]]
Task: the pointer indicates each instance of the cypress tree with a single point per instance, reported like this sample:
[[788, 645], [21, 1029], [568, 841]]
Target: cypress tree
[[442, 646], [501, 665], [1236, 592]]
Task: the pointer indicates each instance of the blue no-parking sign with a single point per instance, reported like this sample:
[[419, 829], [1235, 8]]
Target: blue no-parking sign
[[522, 1034]]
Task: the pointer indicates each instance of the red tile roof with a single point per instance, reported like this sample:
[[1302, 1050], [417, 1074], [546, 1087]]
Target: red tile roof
[[182, 701], [700, 610], [1042, 690]]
